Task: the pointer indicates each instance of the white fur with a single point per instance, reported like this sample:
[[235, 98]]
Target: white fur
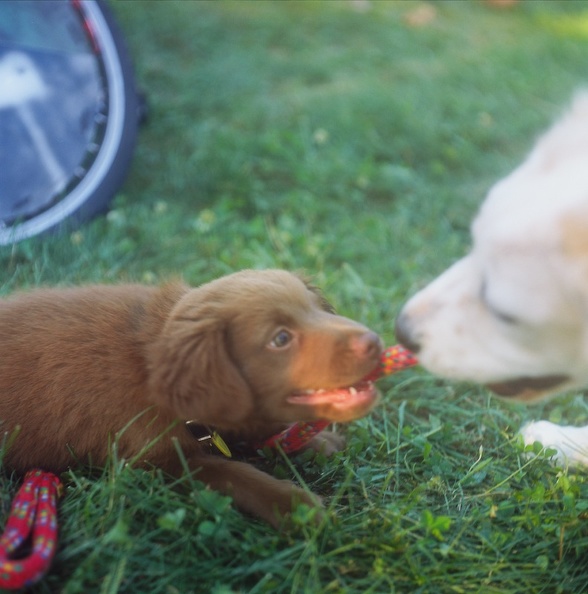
[[570, 443], [517, 305]]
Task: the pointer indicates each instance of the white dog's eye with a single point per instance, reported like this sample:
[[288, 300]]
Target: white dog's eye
[[282, 339], [496, 311], [504, 317]]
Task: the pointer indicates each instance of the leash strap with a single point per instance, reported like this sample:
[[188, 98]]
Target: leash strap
[[33, 517], [294, 438]]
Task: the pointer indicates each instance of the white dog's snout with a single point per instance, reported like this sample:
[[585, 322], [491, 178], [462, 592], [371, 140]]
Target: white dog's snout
[[405, 333]]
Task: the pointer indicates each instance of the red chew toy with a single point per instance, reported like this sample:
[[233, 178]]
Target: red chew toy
[[295, 437], [393, 359]]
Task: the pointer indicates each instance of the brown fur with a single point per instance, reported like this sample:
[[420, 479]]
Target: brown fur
[[80, 367]]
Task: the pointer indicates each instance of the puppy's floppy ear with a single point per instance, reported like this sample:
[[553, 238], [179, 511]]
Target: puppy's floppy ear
[[314, 289], [191, 371]]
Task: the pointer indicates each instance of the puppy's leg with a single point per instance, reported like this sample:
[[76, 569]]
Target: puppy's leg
[[571, 443], [252, 490]]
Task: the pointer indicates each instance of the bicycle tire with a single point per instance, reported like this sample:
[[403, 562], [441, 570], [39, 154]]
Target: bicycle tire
[[103, 166]]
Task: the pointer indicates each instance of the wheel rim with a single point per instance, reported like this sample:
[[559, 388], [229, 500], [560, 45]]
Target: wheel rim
[[113, 84]]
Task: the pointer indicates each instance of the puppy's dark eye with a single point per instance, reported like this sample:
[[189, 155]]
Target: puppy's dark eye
[[281, 339]]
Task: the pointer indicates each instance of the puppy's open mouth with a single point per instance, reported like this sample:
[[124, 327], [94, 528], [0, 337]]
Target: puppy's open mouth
[[527, 387], [359, 395]]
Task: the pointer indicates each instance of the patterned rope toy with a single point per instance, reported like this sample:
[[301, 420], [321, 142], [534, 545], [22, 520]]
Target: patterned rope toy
[[33, 514], [295, 437]]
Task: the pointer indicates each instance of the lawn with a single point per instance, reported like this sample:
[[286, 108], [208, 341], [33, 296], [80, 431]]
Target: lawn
[[355, 141]]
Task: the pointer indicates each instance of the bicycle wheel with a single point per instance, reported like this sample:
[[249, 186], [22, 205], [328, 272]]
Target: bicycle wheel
[[68, 114]]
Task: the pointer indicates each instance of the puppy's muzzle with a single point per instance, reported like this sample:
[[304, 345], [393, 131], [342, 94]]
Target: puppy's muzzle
[[405, 333]]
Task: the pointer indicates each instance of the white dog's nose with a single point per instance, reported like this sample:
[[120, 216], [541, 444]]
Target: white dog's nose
[[404, 333]]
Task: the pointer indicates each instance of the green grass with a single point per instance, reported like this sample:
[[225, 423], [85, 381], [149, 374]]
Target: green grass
[[315, 136]]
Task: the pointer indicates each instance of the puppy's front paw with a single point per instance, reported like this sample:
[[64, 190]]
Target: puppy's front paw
[[327, 443], [306, 508], [279, 511]]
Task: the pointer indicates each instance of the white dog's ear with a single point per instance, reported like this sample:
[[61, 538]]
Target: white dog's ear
[[191, 371]]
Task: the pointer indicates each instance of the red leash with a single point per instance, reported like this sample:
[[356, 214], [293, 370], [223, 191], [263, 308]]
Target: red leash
[[295, 437], [33, 518]]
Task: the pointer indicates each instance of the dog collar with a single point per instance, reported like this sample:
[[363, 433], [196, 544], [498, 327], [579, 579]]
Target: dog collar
[[290, 440]]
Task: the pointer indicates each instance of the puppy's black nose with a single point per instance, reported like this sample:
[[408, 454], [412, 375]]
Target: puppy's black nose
[[404, 335]]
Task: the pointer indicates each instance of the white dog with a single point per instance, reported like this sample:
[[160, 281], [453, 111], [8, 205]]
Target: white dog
[[513, 314]]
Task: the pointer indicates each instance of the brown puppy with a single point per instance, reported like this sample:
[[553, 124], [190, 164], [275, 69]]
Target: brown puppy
[[243, 354]]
